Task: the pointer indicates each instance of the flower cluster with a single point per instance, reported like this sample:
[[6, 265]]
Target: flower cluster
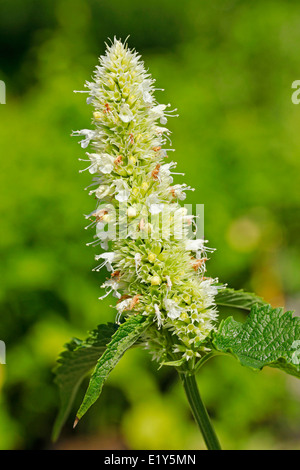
[[156, 267]]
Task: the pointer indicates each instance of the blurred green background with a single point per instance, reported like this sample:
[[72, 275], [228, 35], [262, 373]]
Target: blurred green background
[[228, 67]]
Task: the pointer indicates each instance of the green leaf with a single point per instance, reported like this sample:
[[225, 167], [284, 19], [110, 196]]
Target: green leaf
[[74, 364], [177, 363], [269, 337], [126, 335], [238, 299]]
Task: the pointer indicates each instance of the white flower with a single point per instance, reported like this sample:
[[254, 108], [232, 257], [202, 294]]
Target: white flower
[[173, 311], [112, 286], [89, 135], [146, 91], [178, 191], [102, 191], [124, 305], [152, 199], [156, 208], [103, 235], [158, 111], [161, 130], [164, 171], [108, 259], [125, 114], [103, 163], [195, 245], [209, 292], [131, 212], [122, 195], [121, 307], [122, 190]]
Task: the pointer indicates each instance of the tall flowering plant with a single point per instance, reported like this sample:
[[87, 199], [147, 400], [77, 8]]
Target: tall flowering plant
[[156, 264]]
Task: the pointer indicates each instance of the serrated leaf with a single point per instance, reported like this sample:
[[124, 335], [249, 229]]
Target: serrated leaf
[[74, 364], [127, 334], [269, 337], [238, 299]]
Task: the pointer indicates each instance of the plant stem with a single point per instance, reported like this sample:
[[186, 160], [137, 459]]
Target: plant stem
[[199, 411]]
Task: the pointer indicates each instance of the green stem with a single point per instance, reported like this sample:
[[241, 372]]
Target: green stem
[[199, 411]]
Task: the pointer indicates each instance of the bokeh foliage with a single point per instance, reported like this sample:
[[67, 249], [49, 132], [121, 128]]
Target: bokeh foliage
[[228, 67]]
